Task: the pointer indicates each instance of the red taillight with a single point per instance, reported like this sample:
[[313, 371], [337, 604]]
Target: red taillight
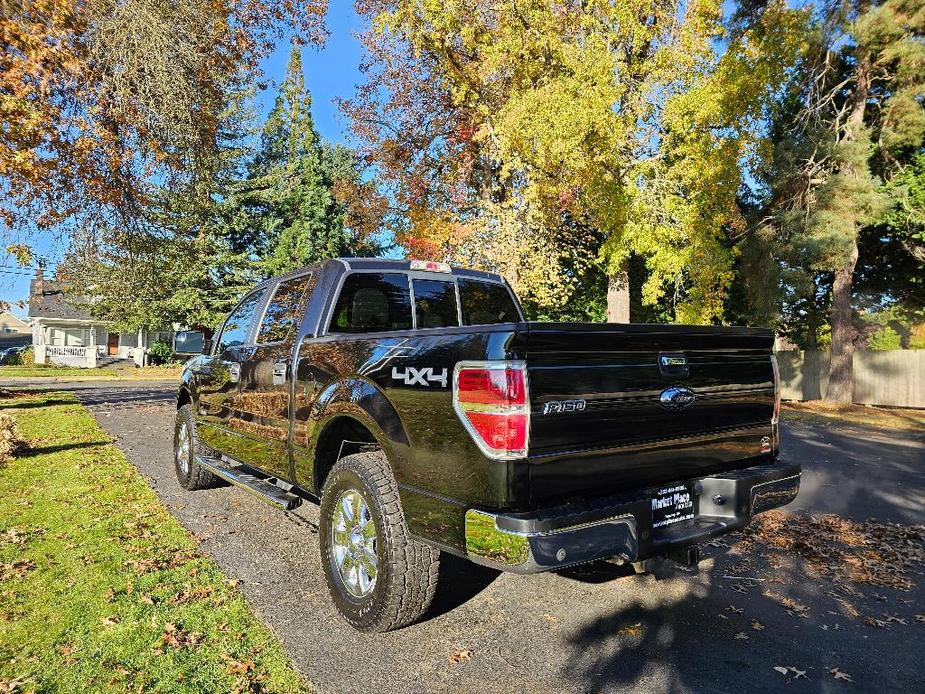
[[491, 400]]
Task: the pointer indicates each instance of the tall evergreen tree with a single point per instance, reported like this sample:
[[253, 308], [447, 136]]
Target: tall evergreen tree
[[286, 213]]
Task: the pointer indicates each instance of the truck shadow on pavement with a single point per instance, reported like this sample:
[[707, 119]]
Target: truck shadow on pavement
[[460, 581]]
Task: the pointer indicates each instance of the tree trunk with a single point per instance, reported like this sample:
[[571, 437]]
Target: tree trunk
[[841, 365], [618, 295]]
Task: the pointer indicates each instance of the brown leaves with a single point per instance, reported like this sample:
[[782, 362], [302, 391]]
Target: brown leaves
[[462, 656], [631, 630], [16, 569], [866, 552], [176, 637]]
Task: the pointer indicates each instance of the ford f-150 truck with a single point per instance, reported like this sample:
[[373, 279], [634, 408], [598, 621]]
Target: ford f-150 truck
[[425, 415]]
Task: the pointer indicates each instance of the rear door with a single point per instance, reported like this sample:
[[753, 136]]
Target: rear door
[[262, 404], [219, 376], [616, 408]]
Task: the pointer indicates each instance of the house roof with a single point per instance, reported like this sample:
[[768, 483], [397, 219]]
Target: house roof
[[8, 318], [47, 299]]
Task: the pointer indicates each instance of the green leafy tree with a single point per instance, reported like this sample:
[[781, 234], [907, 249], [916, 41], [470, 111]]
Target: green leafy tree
[[852, 119]]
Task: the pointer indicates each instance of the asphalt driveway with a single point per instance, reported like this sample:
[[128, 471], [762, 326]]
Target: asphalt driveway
[[723, 629]]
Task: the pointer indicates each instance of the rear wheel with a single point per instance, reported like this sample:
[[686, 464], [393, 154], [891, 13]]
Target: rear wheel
[[185, 447], [379, 577]]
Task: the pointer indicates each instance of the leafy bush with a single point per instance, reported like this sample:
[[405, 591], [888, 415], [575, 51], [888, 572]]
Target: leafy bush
[[9, 438], [884, 339], [160, 353], [24, 358]]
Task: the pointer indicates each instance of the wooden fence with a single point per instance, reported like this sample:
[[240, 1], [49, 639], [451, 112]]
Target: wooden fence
[[895, 377]]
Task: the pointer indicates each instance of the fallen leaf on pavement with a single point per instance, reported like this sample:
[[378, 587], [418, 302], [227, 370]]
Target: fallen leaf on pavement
[[789, 669], [461, 656], [756, 625], [741, 636], [839, 675], [920, 618], [737, 610], [630, 630]]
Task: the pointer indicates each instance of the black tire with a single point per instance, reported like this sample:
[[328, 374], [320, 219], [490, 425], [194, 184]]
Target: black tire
[[406, 569], [191, 476]]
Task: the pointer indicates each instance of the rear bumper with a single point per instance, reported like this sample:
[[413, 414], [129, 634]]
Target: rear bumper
[[621, 526]]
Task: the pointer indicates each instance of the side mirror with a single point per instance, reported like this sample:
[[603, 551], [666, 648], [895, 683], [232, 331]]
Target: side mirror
[[190, 342]]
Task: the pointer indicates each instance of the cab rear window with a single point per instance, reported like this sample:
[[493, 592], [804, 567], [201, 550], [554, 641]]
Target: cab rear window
[[372, 302], [485, 303]]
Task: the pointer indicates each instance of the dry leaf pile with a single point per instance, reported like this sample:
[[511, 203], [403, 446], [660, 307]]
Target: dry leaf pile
[[869, 552]]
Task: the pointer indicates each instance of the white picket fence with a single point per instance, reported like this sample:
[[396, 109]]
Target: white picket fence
[[895, 377]]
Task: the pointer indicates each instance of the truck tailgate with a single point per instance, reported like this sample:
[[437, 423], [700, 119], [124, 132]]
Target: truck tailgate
[[602, 415]]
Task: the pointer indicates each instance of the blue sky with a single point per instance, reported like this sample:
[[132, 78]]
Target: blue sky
[[330, 72]]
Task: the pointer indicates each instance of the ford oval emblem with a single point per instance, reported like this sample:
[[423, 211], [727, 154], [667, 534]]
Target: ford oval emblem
[[676, 397]]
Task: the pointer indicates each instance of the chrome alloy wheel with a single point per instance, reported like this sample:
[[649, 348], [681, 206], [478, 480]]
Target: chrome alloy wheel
[[183, 448], [353, 539]]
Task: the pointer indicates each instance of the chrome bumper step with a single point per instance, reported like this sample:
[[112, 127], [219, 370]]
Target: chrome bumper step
[[261, 487]]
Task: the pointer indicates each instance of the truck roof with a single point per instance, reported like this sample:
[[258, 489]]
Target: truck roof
[[390, 264]]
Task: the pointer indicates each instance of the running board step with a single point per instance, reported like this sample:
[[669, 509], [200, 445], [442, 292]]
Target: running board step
[[258, 486]]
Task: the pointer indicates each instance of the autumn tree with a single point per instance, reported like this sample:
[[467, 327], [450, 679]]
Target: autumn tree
[[543, 139], [101, 100]]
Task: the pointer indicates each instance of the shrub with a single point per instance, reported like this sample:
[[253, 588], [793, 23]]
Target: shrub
[[9, 438], [24, 358], [884, 339], [160, 353]]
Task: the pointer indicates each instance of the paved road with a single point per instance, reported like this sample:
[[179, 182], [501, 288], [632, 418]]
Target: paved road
[[587, 630]]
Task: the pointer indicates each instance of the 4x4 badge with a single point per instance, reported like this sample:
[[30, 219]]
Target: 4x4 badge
[[419, 377]]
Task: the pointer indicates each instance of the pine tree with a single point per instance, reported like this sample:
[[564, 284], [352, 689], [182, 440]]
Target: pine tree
[[289, 214]]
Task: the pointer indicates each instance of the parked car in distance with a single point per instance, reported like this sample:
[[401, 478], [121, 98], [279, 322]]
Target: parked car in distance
[[425, 415]]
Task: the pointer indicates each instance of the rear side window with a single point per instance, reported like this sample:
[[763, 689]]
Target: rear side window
[[372, 302], [238, 325], [435, 303], [484, 303], [283, 311]]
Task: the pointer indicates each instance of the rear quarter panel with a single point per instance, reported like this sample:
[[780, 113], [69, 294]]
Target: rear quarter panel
[[438, 467]]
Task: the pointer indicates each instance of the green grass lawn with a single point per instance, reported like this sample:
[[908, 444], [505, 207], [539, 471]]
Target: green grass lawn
[[101, 589], [102, 374]]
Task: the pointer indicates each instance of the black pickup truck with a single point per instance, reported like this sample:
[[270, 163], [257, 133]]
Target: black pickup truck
[[415, 403]]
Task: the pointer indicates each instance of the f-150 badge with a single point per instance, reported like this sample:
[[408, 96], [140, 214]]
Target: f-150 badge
[[559, 406], [419, 377]]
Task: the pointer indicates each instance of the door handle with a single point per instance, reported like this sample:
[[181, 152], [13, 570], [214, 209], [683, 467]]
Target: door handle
[[234, 371], [279, 373]]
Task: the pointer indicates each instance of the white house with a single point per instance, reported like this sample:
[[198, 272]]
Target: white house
[[64, 333]]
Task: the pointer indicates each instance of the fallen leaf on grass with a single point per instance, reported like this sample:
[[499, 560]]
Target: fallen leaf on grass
[[839, 675], [461, 656], [175, 637], [236, 667]]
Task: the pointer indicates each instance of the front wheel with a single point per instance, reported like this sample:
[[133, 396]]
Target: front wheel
[[185, 446], [379, 577]]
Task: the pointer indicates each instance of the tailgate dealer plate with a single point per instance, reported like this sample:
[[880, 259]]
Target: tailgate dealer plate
[[672, 504]]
